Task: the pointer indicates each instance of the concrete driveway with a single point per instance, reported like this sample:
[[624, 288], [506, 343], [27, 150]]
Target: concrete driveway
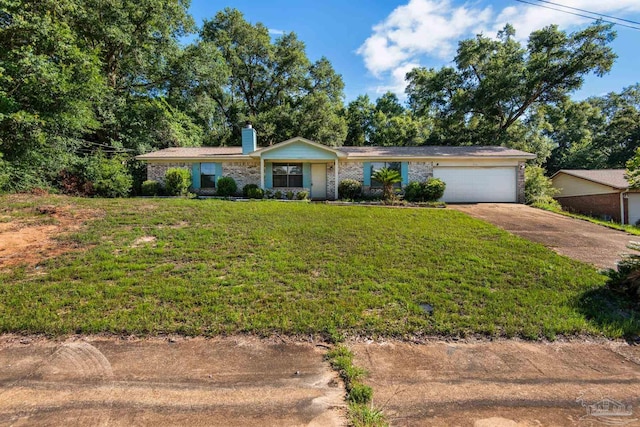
[[235, 381], [574, 238], [503, 383]]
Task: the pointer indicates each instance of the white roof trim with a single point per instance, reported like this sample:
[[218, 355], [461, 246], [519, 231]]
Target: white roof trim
[[201, 159], [259, 152]]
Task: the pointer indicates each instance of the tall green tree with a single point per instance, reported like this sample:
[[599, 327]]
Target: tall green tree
[[273, 84], [360, 114], [495, 83], [389, 105], [48, 83], [620, 135], [81, 76], [137, 42], [398, 130], [600, 132], [633, 170]]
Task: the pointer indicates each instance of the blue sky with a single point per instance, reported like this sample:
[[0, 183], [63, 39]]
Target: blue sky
[[372, 44]]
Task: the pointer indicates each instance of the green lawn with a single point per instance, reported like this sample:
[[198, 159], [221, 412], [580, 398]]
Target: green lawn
[[219, 267], [631, 229]]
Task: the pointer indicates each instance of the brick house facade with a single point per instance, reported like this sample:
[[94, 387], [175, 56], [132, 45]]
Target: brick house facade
[[473, 173]]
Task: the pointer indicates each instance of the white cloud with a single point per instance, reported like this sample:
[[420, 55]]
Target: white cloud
[[527, 18], [417, 28], [276, 32], [429, 30], [396, 82]]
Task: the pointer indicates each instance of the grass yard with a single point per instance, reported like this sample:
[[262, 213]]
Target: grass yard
[[627, 228], [207, 267]]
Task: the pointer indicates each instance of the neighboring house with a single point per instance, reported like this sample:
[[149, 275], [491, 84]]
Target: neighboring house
[[472, 174], [603, 193]]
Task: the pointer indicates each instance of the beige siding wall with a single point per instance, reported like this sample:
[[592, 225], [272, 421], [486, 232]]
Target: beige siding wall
[[574, 186]]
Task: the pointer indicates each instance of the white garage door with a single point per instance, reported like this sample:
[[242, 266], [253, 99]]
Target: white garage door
[[475, 184], [634, 207]]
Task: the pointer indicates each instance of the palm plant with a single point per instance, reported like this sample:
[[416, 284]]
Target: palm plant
[[387, 177]]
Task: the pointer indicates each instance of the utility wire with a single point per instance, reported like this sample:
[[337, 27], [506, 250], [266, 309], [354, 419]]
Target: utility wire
[[597, 17], [588, 11]]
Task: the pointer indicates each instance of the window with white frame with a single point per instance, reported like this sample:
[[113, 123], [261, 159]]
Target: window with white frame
[[287, 175]]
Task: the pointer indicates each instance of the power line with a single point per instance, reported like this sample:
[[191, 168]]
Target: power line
[[588, 11], [597, 17]]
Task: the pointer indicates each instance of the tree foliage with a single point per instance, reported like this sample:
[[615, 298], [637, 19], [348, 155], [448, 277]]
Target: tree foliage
[[599, 132], [82, 77], [633, 170], [538, 188], [387, 123], [85, 79], [273, 84], [495, 83]]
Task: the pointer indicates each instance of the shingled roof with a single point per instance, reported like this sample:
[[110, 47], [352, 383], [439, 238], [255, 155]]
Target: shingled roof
[[177, 153], [611, 177], [435, 151], [174, 153]]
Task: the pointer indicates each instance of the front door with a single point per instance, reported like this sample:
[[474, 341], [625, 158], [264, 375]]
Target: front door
[[318, 181]]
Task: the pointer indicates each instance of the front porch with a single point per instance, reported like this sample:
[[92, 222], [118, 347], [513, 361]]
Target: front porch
[[300, 165]]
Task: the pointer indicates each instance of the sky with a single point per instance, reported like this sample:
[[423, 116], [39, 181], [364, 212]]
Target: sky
[[373, 43]]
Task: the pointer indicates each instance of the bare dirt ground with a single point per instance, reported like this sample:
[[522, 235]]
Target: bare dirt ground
[[32, 238], [501, 384], [98, 381], [574, 238]]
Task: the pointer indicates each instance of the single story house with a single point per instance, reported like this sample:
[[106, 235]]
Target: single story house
[[604, 193], [472, 174]]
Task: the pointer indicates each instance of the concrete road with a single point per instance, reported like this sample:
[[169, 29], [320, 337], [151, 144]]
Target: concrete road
[[239, 381], [503, 383], [574, 238]]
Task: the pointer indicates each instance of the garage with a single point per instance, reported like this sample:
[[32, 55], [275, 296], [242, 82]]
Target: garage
[[634, 208], [478, 184]]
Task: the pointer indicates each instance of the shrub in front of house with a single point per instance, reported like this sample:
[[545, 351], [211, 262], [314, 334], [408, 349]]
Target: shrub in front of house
[[434, 189], [255, 193], [247, 188], [349, 189], [539, 190], [150, 188], [177, 181], [302, 195], [428, 191], [227, 187], [290, 195], [109, 176], [413, 191], [277, 195]]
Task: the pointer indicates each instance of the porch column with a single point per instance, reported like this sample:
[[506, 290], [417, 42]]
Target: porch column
[[262, 173], [335, 171]]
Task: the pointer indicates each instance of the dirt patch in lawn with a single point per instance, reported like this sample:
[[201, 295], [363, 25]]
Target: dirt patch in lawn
[[33, 236], [233, 381]]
